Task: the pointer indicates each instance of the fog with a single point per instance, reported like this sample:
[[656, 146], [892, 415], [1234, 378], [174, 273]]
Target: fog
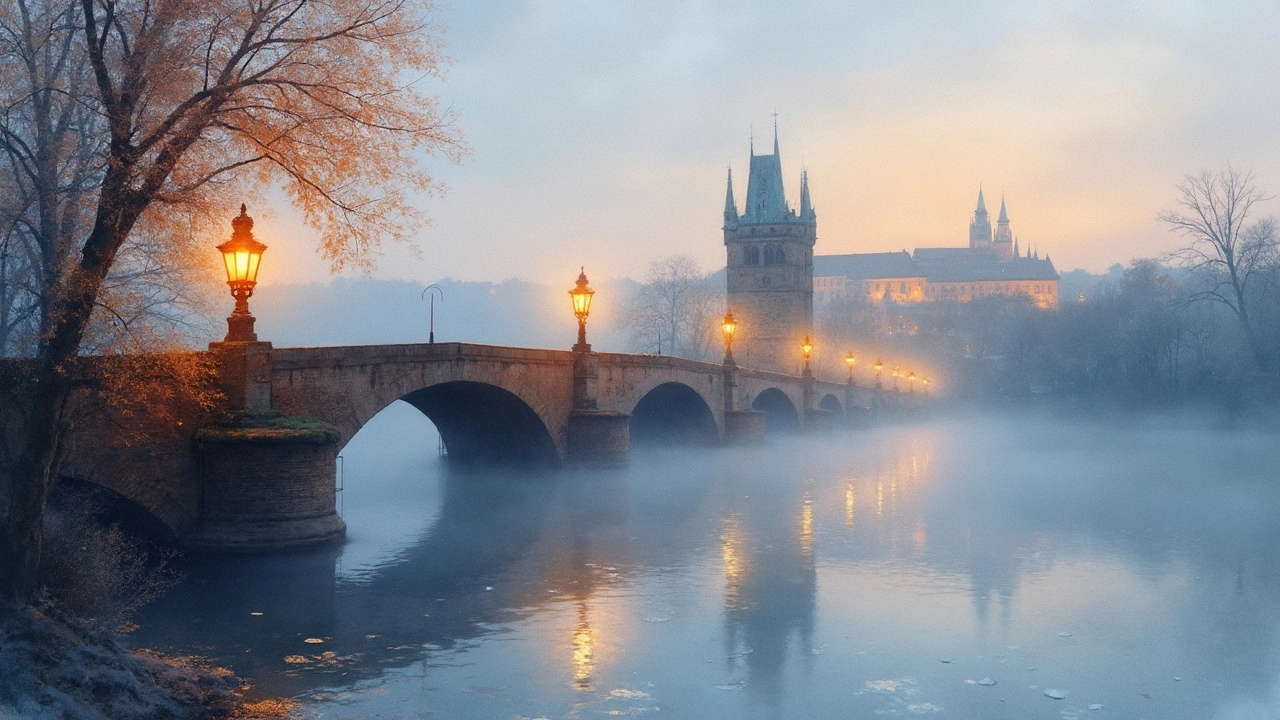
[[1126, 563]]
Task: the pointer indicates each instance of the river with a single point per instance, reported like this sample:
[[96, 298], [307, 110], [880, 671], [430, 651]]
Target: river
[[963, 567]]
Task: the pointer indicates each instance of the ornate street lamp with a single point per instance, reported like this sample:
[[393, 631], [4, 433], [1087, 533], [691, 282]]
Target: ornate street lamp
[[806, 347], [241, 255], [581, 295], [879, 369], [729, 326], [850, 360], [911, 381]]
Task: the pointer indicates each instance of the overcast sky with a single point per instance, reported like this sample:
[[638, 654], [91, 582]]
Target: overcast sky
[[600, 131]]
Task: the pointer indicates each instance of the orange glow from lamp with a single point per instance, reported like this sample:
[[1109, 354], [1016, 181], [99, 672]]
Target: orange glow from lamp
[[806, 347], [879, 366], [850, 360], [581, 295], [729, 326], [241, 255], [911, 381]]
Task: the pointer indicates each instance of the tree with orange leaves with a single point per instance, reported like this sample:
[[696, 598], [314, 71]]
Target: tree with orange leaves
[[127, 119]]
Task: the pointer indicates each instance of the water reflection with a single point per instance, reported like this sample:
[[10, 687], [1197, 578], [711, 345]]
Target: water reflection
[[802, 579]]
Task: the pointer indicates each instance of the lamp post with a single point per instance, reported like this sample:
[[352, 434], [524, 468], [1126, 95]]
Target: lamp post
[[241, 255], [729, 326], [430, 291], [879, 370], [896, 374], [806, 347], [911, 381], [850, 360], [581, 295]]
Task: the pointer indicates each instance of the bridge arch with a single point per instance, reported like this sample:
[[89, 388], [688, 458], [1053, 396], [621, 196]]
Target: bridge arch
[[479, 422], [780, 413], [831, 404], [673, 414]]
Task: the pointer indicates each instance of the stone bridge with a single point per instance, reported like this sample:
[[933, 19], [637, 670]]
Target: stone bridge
[[489, 403]]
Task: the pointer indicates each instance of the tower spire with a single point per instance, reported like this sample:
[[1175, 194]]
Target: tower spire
[[775, 132], [1004, 216], [806, 205], [730, 208], [982, 204]]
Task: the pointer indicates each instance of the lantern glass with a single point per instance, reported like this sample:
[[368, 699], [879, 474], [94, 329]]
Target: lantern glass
[[879, 367], [581, 295], [242, 254], [730, 326], [806, 347], [850, 360]]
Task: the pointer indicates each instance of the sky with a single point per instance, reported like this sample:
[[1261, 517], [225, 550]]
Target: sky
[[600, 132]]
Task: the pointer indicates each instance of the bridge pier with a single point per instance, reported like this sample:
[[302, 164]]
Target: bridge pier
[[600, 438]]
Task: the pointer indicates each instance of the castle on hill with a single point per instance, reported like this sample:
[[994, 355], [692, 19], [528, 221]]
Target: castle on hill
[[773, 276]]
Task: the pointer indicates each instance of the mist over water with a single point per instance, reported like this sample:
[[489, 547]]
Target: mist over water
[[884, 571]]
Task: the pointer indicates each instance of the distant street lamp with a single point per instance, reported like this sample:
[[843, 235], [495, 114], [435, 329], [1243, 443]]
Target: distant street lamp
[[241, 255], [925, 381], [430, 292], [729, 326], [911, 381], [850, 360], [581, 295], [806, 347], [896, 374], [879, 370]]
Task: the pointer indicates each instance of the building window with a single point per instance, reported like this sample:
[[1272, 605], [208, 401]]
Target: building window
[[774, 255], [751, 255]]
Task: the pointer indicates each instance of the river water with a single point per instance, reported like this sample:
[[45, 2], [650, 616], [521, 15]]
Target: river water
[[1130, 567]]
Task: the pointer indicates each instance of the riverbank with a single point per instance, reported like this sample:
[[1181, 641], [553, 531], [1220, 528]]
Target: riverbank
[[56, 666]]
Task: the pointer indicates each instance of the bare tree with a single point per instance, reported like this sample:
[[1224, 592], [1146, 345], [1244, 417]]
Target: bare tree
[[678, 306], [127, 118], [1223, 248]]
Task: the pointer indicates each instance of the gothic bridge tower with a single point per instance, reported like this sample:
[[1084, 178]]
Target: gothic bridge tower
[[770, 266]]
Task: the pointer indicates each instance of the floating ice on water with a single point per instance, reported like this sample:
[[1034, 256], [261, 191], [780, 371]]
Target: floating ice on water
[[882, 685], [1096, 706], [986, 681], [256, 614], [487, 588], [660, 619], [313, 641], [628, 694], [731, 685], [1065, 633], [948, 660], [861, 652], [922, 708], [1177, 679], [1055, 694]]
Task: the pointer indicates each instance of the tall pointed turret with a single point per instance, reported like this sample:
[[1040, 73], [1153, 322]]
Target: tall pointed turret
[[806, 205], [980, 228], [1016, 253], [765, 199], [1004, 236], [730, 207]]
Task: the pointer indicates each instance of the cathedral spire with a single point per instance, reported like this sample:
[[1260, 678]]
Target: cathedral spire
[[1004, 215], [730, 208], [982, 204], [1015, 248], [775, 133]]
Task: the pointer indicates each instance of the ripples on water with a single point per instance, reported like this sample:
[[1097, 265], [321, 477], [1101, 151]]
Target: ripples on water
[[892, 571]]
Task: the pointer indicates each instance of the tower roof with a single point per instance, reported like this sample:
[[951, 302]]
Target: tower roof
[[765, 199], [1004, 216], [806, 205], [982, 204], [730, 208]]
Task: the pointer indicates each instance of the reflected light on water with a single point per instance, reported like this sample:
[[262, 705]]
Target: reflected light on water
[[806, 528], [733, 557], [584, 637], [850, 504]]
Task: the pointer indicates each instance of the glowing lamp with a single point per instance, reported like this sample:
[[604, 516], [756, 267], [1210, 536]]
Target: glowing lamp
[[241, 255], [806, 347], [729, 326], [581, 295], [850, 360], [911, 381]]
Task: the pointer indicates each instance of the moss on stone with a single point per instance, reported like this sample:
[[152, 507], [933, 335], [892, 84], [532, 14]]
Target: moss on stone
[[264, 428]]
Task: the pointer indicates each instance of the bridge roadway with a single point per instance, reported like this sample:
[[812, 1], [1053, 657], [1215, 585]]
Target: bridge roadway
[[488, 403]]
